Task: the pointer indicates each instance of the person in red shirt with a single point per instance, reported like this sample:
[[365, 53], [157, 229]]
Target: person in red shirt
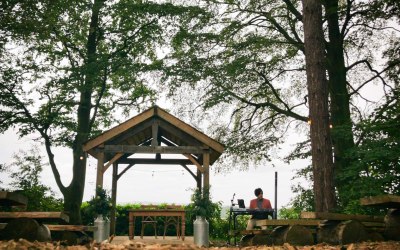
[[258, 203]]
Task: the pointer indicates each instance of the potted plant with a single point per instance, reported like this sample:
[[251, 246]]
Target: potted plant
[[202, 209], [100, 207]]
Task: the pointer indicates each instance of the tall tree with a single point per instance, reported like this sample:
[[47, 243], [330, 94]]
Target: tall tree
[[249, 63], [69, 65], [317, 85]]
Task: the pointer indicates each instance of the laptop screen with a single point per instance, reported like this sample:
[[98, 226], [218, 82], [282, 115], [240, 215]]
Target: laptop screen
[[241, 203]]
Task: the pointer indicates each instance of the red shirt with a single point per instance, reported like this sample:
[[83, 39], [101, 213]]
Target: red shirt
[[265, 204]]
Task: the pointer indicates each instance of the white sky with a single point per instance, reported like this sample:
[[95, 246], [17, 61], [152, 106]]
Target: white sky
[[173, 184], [167, 184]]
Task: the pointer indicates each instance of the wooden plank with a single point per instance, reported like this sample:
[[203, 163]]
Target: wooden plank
[[155, 161], [336, 216], [110, 162], [305, 222], [195, 162], [153, 149], [246, 232], [171, 131], [40, 216], [373, 224], [385, 201], [206, 167], [140, 128], [100, 173], [118, 129], [12, 199], [71, 228]]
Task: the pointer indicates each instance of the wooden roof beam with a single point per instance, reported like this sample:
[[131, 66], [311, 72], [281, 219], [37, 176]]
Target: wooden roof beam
[[155, 161], [110, 162], [130, 149], [195, 162], [118, 129], [190, 130]]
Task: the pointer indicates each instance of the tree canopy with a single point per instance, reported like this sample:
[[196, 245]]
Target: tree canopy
[[69, 65], [247, 63], [72, 68]]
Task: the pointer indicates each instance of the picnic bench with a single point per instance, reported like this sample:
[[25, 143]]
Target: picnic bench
[[280, 231], [392, 218], [11, 199], [34, 225], [42, 217], [29, 225]]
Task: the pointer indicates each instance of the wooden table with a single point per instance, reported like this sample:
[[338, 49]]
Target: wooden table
[[12, 199], [155, 212]]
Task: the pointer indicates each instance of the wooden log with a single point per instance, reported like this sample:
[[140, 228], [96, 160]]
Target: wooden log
[[246, 240], [261, 239], [392, 225], [375, 237], [294, 235], [26, 228], [341, 232], [71, 237]]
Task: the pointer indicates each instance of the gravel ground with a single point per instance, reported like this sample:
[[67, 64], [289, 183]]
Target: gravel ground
[[24, 244]]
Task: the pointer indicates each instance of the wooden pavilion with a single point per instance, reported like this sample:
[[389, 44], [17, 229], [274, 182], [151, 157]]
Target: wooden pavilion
[[153, 131]]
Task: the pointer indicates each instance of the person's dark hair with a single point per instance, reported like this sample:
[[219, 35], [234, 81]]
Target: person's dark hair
[[258, 191]]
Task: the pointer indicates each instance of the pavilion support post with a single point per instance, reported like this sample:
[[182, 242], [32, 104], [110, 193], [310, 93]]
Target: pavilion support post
[[113, 198], [100, 166], [206, 166], [198, 179]]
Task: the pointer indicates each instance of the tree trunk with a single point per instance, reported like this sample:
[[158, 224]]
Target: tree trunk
[[342, 133], [73, 194], [321, 149]]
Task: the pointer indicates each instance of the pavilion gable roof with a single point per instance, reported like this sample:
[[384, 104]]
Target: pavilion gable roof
[[138, 131]]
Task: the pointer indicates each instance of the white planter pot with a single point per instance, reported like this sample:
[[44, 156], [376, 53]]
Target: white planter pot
[[201, 232], [103, 229]]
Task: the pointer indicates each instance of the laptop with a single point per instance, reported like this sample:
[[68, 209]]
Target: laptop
[[241, 203]]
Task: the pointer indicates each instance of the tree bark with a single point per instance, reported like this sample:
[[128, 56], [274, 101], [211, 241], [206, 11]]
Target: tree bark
[[321, 148], [342, 133], [73, 194]]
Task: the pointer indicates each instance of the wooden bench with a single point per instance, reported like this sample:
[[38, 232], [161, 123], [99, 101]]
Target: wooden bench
[[11, 199], [336, 228], [52, 227], [340, 217], [294, 232], [42, 217], [291, 222], [81, 228], [392, 218], [381, 201]]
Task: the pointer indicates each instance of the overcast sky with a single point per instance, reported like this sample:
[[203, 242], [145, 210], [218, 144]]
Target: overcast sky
[[163, 183], [172, 184]]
